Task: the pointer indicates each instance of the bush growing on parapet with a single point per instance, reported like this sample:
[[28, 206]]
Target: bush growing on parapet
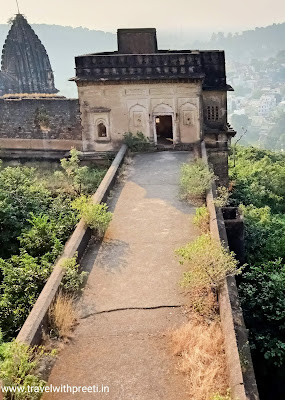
[[72, 279], [18, 365], [208, 264], [196, 179], [201, 219], [82, 179], [137, 143], [96, 216], [223, 197]]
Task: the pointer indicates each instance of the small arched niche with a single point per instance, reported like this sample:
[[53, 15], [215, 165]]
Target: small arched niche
[[101, 130]]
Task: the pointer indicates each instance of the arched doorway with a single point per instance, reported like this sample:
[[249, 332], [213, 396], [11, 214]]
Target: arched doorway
[[164, 129], [163, 126]]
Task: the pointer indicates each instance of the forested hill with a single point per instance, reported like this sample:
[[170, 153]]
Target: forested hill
[[258, 43], [63, 43]]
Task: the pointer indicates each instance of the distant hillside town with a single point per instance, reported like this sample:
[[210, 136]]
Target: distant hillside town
[[257, 107]]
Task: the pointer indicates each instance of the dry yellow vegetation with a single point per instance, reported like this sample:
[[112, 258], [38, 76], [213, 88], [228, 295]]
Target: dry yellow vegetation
[[200, 346], [63, 316]]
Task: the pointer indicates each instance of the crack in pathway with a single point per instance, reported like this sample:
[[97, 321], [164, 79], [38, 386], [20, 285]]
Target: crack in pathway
[[131, 308]]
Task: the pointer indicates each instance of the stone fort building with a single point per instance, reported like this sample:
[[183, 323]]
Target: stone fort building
[[175, 98]]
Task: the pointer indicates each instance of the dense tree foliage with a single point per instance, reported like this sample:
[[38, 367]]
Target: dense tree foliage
[[20, 195], [258, 178], [36, 219], [263, 295]]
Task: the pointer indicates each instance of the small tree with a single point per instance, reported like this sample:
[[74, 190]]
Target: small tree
[[196, 179], [73, 171], [137, 143], [82, 179], [96, 216], [208, 264]]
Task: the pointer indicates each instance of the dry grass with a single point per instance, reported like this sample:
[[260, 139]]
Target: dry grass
[[200, 346], [204, 303], [123, 174], [63, 317], [124, 171], [129, 160]]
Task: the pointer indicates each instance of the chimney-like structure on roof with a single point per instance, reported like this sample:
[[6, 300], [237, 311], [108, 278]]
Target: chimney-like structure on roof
[[137, 41], [25, 65]]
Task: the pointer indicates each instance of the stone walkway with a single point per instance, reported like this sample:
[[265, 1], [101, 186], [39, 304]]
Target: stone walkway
[[134, 274]]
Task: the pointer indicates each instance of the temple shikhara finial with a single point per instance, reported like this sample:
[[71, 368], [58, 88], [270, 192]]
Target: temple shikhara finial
[[25, 65], [18, 7]]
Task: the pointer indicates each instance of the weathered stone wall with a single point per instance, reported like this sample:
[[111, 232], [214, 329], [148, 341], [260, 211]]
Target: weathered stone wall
[[134, 107], [240, 368], [46, 119]]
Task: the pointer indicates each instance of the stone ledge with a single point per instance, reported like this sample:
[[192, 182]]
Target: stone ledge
[[241, 377], [39, 144], [31, 332]]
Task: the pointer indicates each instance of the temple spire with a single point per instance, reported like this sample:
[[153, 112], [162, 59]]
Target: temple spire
[[25, 64], [18, 7]]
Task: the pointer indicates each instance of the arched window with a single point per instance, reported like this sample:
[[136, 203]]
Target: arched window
[[101, 130], [213, 113]]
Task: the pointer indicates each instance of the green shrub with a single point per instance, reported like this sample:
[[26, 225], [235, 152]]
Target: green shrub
[[264, 234], [96, 216], [259, 178], [24, 277], [202, 218], [137, 143], [35, 222], [18, 365], [218, 396], [223, 197], [82, 179], [41, 238], [262, 294], [196, 179], [73, 278], [208, 264], [20, 195]]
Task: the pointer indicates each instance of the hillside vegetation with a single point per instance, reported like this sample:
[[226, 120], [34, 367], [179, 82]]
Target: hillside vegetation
[[261, 42], [258, 178], [38, 211]]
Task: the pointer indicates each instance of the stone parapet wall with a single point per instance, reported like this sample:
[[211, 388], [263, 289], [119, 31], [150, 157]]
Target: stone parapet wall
[[206, 65], [240, 368], [42, 119]]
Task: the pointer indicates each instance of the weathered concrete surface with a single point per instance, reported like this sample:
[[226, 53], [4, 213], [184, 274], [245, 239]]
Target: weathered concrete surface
[[135, 266]]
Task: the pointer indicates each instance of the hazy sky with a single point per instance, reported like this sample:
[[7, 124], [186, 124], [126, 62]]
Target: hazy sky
[[163, 14]]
